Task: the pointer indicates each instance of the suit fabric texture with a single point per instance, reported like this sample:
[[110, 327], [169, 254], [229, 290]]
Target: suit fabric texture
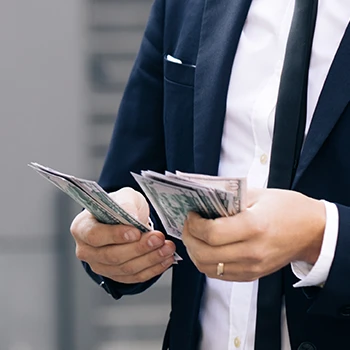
[[172, 117]]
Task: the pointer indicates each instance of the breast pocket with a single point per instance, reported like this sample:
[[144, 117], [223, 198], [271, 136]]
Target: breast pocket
[[178, 114], [179, 73]]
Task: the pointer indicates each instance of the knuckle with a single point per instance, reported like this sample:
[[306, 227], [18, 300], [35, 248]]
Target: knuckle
[[141, 277], [212, 231], [255, 271], [206, 236], [259, 227], [210, 238], [81, 253], [79, 223], [74, 227], [109, 258], [256, 255], [92, 238], [127, 269], [154, 258], [117, 233], [122, 195], [141, 248], [191, 227]]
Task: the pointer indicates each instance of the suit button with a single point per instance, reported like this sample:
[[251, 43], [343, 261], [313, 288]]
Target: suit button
[[307, 346], [345, 311], [264, 159]]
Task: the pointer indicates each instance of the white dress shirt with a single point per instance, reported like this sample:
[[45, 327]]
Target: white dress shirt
[[228, 311]]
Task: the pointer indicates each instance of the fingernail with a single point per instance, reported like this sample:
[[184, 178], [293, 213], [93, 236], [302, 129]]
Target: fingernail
[[168, 262], [166, 251], [130, 236], [155, 241]]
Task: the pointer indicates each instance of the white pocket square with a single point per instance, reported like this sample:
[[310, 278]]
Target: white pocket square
[[173, 59]]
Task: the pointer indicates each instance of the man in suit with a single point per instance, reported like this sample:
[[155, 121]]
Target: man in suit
[[203, 97]]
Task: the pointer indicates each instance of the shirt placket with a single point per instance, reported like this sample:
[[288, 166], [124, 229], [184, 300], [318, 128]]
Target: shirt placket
[[240, 303]]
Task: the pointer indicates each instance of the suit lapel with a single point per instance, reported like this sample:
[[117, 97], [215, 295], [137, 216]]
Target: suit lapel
[[221, 29], [334, 97]]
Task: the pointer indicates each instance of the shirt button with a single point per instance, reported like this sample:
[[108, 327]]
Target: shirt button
[[263, 159], [237, 342]]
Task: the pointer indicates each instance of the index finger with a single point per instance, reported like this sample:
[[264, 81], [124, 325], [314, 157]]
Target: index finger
[[85, 228], [221, 231]]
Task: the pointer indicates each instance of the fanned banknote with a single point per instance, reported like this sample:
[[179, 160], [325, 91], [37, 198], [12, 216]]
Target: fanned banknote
[[92, 197], [213, 207], [232, 191], [174, 195], [80, 189]]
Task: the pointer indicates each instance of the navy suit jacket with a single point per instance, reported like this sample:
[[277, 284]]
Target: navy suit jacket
[[171, 118]]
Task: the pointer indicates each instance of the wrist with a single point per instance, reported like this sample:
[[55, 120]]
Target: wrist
[[316, 223]]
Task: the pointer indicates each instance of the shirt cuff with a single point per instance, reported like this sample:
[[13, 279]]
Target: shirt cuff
[[316, 275]]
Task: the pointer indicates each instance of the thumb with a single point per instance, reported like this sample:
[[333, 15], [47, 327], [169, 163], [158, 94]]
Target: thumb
[[133, 202]]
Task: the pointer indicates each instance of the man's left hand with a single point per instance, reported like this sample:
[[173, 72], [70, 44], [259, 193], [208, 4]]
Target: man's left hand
[[278, 227]]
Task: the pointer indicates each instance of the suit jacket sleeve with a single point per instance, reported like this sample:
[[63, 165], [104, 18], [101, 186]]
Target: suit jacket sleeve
[[138, 138], [334, 298]]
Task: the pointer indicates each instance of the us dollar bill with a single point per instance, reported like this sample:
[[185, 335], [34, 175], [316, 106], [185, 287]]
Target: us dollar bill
[[212, 204], [232, 191], [174, 195], [81, 198], [171, 203], [102, 197], [93, 198]]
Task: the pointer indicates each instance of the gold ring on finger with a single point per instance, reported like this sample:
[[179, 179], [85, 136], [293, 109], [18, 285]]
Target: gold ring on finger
[[220, 269]]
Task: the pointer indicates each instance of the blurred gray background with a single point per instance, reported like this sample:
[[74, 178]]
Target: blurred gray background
[[63, 67]]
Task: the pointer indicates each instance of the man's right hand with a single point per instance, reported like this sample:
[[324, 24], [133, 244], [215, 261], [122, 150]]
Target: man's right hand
[[122, 253]]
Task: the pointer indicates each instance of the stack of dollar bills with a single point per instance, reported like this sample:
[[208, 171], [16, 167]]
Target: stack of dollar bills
[[173, 196]]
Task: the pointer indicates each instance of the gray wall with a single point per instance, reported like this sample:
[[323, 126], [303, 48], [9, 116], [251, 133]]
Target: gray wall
[[63, 68], [42, 118]]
